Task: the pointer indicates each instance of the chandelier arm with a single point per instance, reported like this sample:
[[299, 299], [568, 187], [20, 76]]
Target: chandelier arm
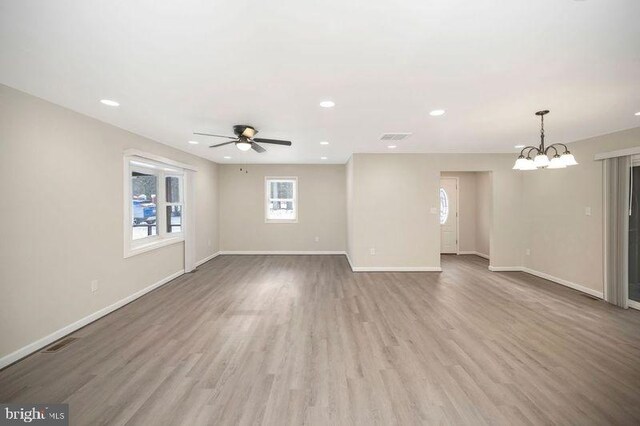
[[530, 148], [551, 146], [566, 149]]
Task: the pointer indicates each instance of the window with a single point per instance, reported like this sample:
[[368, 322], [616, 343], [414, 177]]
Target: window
[[173, 193], [281, 199], [144, 194], [444, 206], [153, 211]]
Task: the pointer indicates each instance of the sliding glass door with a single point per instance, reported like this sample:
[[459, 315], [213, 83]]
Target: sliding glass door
[[634, 236]]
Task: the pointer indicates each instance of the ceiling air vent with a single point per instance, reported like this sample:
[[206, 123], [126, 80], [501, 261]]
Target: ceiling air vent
[[394, 137]]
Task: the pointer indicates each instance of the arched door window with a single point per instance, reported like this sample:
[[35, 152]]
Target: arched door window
[[444, 206]]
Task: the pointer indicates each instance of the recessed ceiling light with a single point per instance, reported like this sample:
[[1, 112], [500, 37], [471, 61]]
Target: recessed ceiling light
[[392, 146], [194, 142], [637, 113], [226, 157], [323, 158], [519, 146], [327, 104], [324, 143], [437, 112], [109, 102]]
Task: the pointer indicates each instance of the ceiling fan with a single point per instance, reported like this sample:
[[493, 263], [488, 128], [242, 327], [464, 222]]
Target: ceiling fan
[[244, 139]]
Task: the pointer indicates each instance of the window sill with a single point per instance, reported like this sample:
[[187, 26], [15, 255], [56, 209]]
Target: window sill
[[281, 221], [143, 248]]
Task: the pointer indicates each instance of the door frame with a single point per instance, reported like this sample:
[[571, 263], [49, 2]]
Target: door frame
[[457, 179]]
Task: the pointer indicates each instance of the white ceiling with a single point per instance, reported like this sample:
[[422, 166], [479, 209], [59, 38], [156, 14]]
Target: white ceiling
[[198, 65]]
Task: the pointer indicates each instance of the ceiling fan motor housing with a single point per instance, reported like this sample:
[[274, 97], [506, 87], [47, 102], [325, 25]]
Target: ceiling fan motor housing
[[244, 130]]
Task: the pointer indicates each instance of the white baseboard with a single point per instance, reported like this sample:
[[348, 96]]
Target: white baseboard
[[548, 277], [41, 343], [279, 252], [565, 283], [349, 260], [505, 268], [208, 258], [477, 253]]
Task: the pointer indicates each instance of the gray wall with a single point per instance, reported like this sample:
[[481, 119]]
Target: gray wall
[[62, 218], [392, 200], [564, 241], [321, 209]]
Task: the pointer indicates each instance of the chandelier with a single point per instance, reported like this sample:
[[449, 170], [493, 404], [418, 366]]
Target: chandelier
[[541, 154]]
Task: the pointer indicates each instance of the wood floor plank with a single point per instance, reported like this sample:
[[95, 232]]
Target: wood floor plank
[[302, 340]]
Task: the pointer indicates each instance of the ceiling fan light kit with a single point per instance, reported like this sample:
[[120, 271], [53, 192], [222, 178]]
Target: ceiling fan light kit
[[541, 153], [244, 139]]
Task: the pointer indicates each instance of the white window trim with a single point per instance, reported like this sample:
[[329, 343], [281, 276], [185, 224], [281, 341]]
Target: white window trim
[[266, 199], [160, 169], [158, 159]]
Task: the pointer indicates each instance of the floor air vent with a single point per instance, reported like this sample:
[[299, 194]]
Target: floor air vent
[[59, 345]]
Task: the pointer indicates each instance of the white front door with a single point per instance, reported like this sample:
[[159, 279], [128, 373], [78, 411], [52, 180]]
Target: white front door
[[448, 215]]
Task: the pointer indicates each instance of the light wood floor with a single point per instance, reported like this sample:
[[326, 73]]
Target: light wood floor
[[301, 339]]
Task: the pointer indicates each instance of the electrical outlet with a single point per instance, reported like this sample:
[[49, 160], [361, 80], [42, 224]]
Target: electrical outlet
[[434, 210], [372, 251], [528, 252], [94, 286], [317, 239], [587, 211]]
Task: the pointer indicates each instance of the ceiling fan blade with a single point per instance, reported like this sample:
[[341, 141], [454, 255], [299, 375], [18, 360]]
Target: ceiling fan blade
[[257, 148], [215, 136], [221, 144], [273, 141]]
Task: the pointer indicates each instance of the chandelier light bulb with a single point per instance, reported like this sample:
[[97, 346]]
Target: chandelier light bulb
[[568, 159], [528, 165], [557, 163], [521, 163], [541, 161]]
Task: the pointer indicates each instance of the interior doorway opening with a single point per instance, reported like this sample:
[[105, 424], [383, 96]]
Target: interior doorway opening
[[465, 213]]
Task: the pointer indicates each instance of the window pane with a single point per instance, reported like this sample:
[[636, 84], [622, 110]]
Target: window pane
[[144, 230], [281, 210], [174, 219], [144, 188], [172, 189], [281, 189]]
